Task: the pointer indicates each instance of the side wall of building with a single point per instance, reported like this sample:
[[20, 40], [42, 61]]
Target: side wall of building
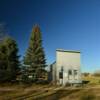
[[54, 73]]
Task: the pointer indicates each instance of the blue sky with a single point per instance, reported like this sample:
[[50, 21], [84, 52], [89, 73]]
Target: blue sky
[[66, 24]]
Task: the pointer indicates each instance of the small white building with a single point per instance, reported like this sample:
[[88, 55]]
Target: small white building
[[66, 68]]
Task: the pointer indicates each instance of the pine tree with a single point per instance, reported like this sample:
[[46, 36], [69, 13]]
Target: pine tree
[[9, 60], [35, 56]]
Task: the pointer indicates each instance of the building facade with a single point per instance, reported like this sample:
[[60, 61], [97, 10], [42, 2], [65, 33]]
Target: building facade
[[66, 68]]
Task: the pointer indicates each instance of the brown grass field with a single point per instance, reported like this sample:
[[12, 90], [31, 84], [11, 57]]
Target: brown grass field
[[48, 92]]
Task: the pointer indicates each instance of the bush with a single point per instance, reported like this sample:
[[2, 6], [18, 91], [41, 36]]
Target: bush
[[85, 82], [25, 79], [43, 82], [6, 76]]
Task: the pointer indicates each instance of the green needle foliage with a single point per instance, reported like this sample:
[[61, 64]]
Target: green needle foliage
[[9, 60], [35, 56]]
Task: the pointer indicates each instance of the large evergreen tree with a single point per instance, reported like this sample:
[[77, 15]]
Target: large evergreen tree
[[35, 56], [9, 60]]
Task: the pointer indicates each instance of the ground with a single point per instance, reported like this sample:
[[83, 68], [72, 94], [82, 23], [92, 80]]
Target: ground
[[49, 92]]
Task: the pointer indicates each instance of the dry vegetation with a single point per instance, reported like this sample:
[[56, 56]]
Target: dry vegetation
[[48, 92], [90, 91]]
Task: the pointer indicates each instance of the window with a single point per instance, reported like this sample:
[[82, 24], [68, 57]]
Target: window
[[61, 75], [75, 72], [70, 72], [61, 69]]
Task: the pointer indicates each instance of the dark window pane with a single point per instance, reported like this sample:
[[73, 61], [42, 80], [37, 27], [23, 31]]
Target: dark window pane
[[61, 75], [70, 72], [75, 72]]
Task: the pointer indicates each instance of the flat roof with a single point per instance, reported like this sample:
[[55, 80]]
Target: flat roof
[[71, 51]]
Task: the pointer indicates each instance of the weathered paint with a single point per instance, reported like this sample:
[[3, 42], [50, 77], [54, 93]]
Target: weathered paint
[[65, 61]]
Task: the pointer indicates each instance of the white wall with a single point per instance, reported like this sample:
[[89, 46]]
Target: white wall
[[67, 60]]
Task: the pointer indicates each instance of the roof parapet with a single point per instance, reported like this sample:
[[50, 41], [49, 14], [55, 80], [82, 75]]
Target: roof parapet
[[71, 51]]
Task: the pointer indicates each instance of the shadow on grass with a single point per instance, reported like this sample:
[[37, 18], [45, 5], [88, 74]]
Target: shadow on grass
[[88, 97], [58, 95]]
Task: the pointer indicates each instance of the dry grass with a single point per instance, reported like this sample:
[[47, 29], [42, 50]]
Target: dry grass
[[47, 92], [93, 80]]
